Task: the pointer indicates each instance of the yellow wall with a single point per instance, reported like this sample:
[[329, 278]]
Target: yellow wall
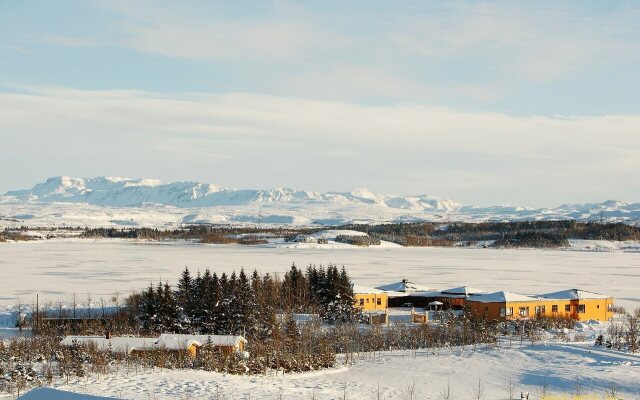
[[369, 301], [192, 349], [597, 309]]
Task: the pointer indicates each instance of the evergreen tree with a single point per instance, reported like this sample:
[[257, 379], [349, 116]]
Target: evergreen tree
[[170, 310], [198, 304], [207, 303], [223, 314], [186, 297], [148, 309]]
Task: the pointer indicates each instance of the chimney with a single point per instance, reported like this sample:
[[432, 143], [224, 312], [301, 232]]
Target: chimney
[[107, 334]]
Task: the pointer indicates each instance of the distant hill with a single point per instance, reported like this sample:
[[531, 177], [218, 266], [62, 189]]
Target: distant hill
[[113, 201]]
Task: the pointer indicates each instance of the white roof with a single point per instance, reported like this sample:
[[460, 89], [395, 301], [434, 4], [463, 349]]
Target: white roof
[[464, 290], [501, 297], [574, 294], [359, 289], [201, 340], [121, 344], [405, 286]]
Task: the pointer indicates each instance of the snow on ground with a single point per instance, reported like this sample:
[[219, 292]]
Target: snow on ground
[[561, 366], [330, 236], [604, 245], [55, 269]]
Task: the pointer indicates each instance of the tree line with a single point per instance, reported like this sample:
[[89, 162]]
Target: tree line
[[208, 303]]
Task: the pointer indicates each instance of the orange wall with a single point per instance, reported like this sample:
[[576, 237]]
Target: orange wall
[[597, 309], [369, 301]]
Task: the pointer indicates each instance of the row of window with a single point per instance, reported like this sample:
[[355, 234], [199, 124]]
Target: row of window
[[524, 311], [378, 301]]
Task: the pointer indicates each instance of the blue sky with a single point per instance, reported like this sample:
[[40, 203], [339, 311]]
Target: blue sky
[[484, 102]]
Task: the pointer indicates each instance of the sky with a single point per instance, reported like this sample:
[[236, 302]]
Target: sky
[[521, 103]]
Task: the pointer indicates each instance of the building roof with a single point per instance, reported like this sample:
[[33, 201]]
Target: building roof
[[574, 294], [404, 286], [359, 289], [122, 344], [201, 340], [501, 297], [464, 290]]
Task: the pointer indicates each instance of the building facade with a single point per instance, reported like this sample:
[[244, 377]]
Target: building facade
[[369, 299], [574, 304]]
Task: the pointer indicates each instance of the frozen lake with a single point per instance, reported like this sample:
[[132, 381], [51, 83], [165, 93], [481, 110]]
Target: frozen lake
[[56, 269]]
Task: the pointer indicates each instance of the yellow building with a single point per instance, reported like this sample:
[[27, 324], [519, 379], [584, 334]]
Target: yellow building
[[575, 304], [369, 299], [580, 304]]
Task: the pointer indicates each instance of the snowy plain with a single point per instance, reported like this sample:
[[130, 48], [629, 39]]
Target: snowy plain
[[58, 268]]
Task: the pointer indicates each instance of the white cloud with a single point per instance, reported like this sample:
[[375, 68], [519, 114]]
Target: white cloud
[[537, 43], [196, 31], [257, 140], [448, 52]]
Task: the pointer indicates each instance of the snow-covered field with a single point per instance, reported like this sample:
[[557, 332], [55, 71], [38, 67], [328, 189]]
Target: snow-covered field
[[55, 268], [560, 366]]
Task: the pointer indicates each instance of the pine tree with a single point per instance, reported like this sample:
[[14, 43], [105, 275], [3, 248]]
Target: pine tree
[[148, 309], [198, 304], [208, 303], [170, 310], [223, 314], [232, 301], [186, 296]]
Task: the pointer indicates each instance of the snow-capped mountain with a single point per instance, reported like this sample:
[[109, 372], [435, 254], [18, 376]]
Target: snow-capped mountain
[[113, 201], [123, 192]]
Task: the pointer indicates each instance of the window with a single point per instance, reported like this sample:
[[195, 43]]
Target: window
[[524, 311], [361, 302], [379, 301], [582, 308], [567, 307], [540, 309], [598, 306], [554, 308], [367, 299], [486, 309], [506, 311]]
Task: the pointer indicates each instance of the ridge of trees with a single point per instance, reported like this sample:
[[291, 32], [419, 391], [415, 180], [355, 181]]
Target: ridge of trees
[[517, 233]]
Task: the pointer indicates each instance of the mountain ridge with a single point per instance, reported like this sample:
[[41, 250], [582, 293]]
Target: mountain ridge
[[125, 192], [122, 201]]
